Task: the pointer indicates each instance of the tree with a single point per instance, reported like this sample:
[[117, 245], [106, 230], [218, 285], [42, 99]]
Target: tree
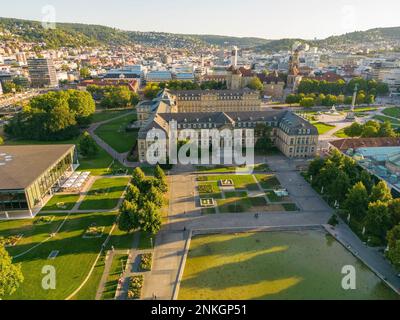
[[116, 97], [394, 210], [357, 201], [386, 130], [11, 276], [355, 130], [292, 98], [128, 219], [150, 218], [132, 194], [339, 187], [138, 177], [381, 192], [393, 238], [307, 102], [1, 141], [255, 84], [87, 146], [161, 178], [82, 104], [315, 167], [85, 73], [377, 221], [155, 196], [151, 90], [366, 179]]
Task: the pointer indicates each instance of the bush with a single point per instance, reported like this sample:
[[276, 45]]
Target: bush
[[135, 287], [146, 262]]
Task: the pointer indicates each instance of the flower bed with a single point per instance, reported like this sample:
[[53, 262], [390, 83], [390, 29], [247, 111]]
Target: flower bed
[[207, 203], [146, 261], [227, 183], [44, 220], [135, 287], [94, 232], [11, 241], [206, 188]]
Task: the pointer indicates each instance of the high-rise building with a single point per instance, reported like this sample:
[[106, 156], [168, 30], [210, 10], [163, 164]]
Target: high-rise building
[[234, 59], [42, 73]]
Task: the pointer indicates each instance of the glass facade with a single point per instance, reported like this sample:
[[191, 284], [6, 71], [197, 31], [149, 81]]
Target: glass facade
[[17, 200]]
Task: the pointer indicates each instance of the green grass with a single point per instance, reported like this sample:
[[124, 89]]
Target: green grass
[[268, 182], [394, 122], [146, 241], [104, 194], [117, 267], [323, 127], [240, 181], [213, 186], [108, 114], [236, 194], [274, 265], [75, 258], [230, 169], [120, 241], [234, 205], [392, 112], [341, 134], [114, 134], [69, 201], [258, 202]]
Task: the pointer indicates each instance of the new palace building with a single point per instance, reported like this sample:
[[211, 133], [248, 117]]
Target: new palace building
[[30, 174]]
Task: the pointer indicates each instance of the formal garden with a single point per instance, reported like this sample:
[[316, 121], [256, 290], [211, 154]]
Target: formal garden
[[259, 266], [239, 193]]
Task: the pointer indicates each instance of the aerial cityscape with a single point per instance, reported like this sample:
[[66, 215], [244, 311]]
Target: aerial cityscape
[[173, 160]]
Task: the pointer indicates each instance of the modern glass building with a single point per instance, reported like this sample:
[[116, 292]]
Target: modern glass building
[[28, 174]]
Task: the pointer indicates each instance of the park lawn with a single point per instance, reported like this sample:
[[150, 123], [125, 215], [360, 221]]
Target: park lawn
[[274, 266], [234, 205], [117, 268], [240, 181], [392, 112], [120, 241], [146, 241], [69, 201], [105, 115], [341, 134], [231, 169], [104, 194], [394, 122], [268, 182], [323, 127], [74, 261], [115, 135], [236, 194], [206, 211]]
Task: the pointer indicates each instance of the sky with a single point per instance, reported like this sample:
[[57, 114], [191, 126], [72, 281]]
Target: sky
[[306, 19]]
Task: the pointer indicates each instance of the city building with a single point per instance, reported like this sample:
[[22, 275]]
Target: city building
[[291, 134], [30, 174], [218, 100], [159, 76], [42, 73]]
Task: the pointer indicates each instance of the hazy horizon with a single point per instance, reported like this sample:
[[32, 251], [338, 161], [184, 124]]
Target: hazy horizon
[[254, 18]]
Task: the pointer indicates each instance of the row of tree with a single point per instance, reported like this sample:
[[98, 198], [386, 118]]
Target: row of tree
[[312, 99], [53, 116], [143, 201], [371, 129], [151, 90], [340, 87], [113, 97], [368, 207]]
